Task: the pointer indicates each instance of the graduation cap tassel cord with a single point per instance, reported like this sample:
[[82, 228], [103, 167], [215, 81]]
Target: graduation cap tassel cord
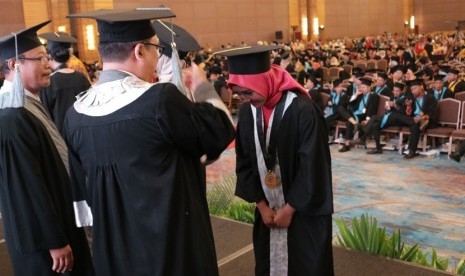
[[15, 99], [177, 73], [17, 95]]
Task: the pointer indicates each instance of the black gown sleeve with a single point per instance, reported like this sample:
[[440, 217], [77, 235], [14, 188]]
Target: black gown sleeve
[[26, 200], [372, 105], [197, 128], [310, 191], [248, 186]]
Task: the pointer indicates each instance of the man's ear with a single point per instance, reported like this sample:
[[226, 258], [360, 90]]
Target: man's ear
[[11, 64], [139, 51]]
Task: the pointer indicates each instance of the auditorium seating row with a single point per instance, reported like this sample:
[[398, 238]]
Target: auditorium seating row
[[450, 117]]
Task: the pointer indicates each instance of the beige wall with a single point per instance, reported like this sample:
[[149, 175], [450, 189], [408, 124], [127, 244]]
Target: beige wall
[[13, 20], [362, 17], [215, 22], [434, 15]]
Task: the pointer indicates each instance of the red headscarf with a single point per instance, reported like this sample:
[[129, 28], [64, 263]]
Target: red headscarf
[[270, 85]]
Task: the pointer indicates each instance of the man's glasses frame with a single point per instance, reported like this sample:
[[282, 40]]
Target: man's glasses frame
[[159, 47], [43, 60]]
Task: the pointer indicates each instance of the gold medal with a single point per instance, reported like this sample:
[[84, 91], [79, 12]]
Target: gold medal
[[271, 180], [421, 113]]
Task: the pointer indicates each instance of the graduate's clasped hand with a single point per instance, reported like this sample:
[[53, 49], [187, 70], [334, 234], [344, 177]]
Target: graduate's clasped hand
[[281, 218]]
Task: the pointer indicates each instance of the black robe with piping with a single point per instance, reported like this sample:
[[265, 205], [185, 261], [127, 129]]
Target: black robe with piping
[[305, 163], [140, 170], [35, 196]]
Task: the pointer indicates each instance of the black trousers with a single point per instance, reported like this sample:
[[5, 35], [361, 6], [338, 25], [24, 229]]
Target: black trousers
[[395, 119], [340, 114], [350, 127]]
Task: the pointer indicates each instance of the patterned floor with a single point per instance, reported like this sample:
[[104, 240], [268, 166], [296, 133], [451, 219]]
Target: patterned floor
[[423, 197]]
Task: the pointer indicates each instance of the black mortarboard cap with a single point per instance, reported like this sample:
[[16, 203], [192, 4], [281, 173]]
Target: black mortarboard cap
[[125, 25], [337, 82], [27, 40], [399, 68], [58, 40], [382, 75], [438, 78], [167, 32], [415, 82], [453, 71], [215, 70], [249, 60], [399, 85], [366, 81], [419, 73], [312, 78], [423, 60]]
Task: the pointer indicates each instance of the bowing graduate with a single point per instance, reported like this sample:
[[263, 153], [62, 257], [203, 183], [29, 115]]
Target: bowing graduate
[[284, 165], [135, 150], [35, 191]]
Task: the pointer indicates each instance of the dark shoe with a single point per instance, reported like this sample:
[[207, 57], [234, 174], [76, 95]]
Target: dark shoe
[[410, 155], [423, 125], [357, 142], [375, 151], [455, 156], [344, 148]]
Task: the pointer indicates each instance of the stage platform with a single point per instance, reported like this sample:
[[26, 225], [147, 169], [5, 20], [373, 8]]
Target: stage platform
[[234, 249]]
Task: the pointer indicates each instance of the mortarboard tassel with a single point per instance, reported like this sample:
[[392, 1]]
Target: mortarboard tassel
[[177, 72], [15, 99]]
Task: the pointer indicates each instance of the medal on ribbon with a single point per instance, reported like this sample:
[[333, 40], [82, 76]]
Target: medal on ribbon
[[271, 180]]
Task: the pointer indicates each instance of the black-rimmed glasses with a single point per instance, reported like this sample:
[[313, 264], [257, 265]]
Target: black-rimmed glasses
[[43, 60], [159, 47]]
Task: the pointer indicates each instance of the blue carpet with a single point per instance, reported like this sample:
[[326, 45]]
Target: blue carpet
[[423, 197]]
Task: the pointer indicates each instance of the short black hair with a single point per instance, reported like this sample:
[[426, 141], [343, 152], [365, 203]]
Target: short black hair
[[116, 51], [4, 67], [60, 55]]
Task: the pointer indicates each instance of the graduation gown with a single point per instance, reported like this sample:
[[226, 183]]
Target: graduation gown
[[60, 95], [385, 91], [305, 171], [139, 169], [441, 95], [35, 195], [456, 86]]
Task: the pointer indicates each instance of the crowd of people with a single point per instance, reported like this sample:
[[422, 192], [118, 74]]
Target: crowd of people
[[420, 70], [124, 148]]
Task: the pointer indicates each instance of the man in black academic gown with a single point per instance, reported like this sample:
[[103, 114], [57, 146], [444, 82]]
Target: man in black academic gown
[[454, 82], [35, 191], [135, 151], [439, 90], [381, 87], [363, 105], [283, 164], [337, 106], [416, 111]]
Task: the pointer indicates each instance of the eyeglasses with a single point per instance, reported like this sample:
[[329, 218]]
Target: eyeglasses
[[160, 48], [43, 60]]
